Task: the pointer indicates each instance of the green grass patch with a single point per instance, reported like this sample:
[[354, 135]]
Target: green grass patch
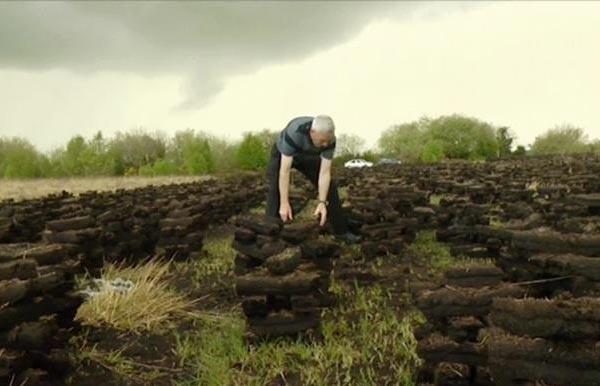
[[215, 268], [260, 209], [212, 273], [435, 199], [427, 250], [365, 342], [495, 222], [344, 193], [211, 351]]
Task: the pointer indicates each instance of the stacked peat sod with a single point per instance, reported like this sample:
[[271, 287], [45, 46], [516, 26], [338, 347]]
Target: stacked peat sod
[[548, 242], [534, 196], [551, 241], [552, 341], [387, 216], [282, 275], [37, 297], [68, 235], [130, 225], [23, 221], [37, 307], [517, 192], [567, 247], [456, 313], [188, 213], [78, 233]]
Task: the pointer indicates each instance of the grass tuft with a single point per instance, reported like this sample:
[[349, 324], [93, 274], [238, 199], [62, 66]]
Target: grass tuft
[[148, 306]]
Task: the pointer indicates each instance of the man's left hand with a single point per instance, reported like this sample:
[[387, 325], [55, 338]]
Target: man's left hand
[[321, 212]]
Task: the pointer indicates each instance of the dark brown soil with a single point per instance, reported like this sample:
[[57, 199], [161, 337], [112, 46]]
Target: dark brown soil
[[151, 352]]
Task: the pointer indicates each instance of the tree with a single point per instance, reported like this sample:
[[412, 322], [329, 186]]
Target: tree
[[505, 138], [19, 159], [72, 159], [197, 157], [174, 150], [433, 151], [405, 141], [134, 149], [595, 147], [464, 137], [96, 159], [430, 140], [82, 158], [564, 139], [224, 154], [253, 152], [349, 145]]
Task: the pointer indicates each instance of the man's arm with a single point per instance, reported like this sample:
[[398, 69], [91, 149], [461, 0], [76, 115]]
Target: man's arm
[[285, 210], [324, 182]]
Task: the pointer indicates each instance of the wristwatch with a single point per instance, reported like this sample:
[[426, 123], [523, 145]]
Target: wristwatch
[[324, 202]]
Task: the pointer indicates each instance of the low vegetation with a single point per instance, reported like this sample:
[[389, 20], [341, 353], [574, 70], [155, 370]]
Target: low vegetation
[[146, 304], [427, 251], [365, 341], [142, 153]]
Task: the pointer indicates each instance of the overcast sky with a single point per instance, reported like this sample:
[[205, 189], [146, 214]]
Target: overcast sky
[[231, 67]]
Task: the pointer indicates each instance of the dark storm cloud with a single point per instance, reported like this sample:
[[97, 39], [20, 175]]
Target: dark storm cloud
[[205, 41]]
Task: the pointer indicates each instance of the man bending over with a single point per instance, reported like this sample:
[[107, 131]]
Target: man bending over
[[307, 144]]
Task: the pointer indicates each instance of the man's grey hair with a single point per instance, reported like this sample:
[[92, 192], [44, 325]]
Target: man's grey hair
[[323, 124]]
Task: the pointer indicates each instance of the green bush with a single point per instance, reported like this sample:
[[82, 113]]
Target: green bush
[[463, 137], [136, 148], [563, 139], [163, 167], [405, 141], [254, 150], [446, 137], [145, 171], [223, 154], [20, 159], [595, 147], [159, 168], [433, 151], [197, 157]]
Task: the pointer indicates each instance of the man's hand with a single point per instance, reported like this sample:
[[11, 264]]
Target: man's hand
[[285, 212], [321, 212]]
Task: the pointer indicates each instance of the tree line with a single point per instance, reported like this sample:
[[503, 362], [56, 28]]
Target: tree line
[[187, 152]]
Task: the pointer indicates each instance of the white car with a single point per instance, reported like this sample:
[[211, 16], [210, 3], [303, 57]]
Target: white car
[[358, 163]]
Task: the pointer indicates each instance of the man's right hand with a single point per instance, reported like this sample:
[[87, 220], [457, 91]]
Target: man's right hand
[[285, 212]]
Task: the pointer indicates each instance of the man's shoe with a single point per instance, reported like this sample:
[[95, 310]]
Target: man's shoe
[[349, 238]]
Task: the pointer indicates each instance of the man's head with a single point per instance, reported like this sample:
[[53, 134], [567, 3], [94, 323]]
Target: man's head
[[322, 131]]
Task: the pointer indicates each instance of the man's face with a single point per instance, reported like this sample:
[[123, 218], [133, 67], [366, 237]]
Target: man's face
[[321, 140]]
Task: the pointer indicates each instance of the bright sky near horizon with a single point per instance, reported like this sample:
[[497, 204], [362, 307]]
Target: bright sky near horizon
[[228, 68]]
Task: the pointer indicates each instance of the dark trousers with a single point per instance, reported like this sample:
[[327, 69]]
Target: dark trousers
[[309, 165]]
